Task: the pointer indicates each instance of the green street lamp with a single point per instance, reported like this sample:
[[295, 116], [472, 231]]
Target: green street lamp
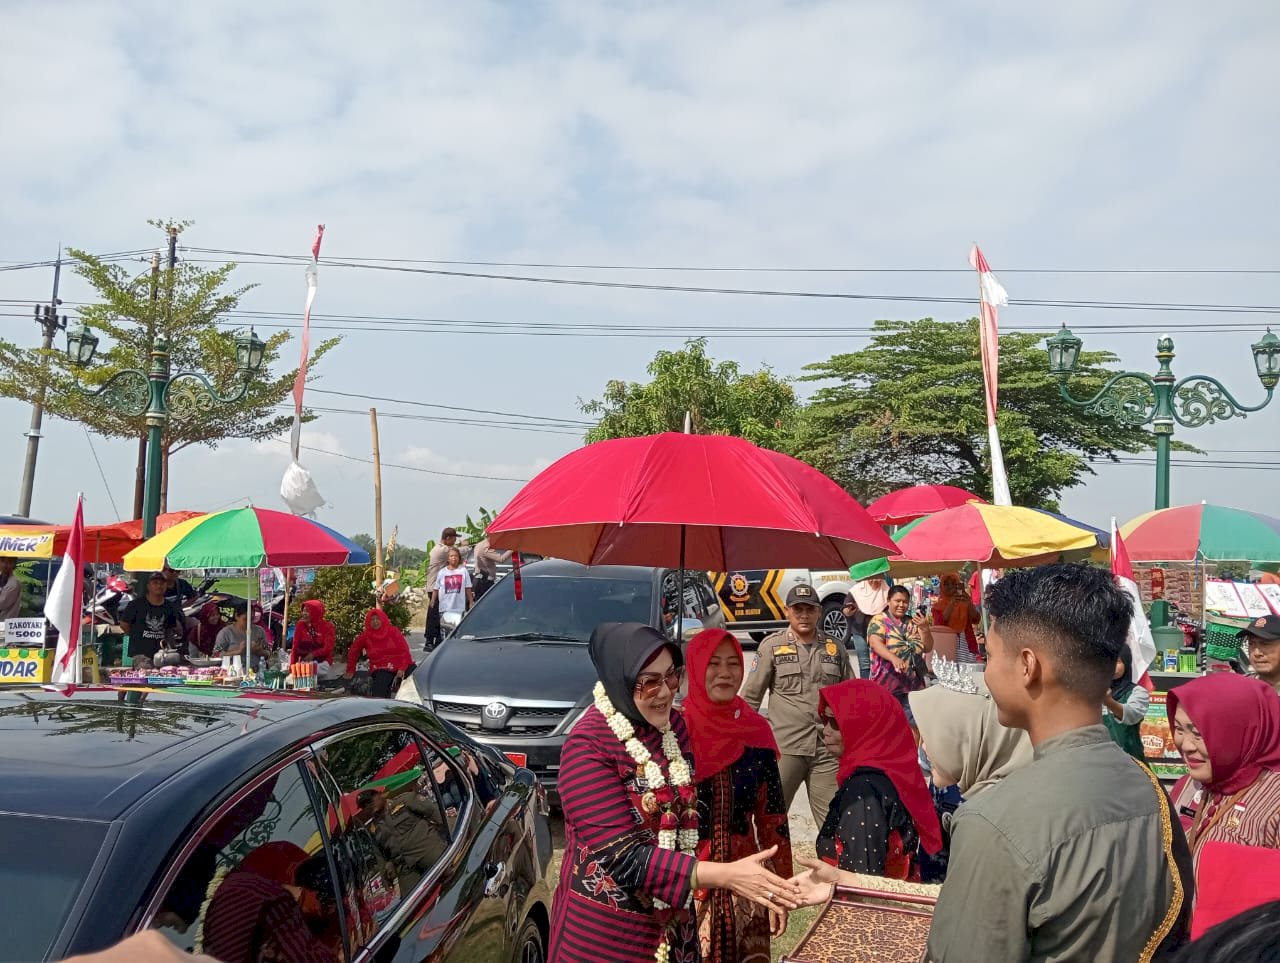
[[1137, 399], [157, 392]]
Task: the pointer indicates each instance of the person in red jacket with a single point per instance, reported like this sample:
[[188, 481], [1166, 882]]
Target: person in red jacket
[[388, 652], [314, 635]]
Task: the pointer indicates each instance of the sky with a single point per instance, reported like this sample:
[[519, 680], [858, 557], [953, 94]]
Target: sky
[[876, 139]]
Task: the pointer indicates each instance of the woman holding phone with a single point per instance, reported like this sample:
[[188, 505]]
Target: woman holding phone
[[898, 644]]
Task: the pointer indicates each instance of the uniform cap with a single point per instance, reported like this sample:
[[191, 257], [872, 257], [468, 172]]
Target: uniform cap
[[802, 595]]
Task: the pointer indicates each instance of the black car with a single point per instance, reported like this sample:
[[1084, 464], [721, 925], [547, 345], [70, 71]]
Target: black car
[[516, 675], [316, 829]]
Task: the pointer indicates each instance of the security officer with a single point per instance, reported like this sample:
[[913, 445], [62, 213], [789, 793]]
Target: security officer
[[792, 665]]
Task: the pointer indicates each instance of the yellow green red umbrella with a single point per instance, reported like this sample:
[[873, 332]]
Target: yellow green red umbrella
[[991, 536], [246, 538]]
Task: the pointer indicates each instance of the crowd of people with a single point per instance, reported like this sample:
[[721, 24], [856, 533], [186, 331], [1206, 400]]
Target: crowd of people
[[1053, 840]]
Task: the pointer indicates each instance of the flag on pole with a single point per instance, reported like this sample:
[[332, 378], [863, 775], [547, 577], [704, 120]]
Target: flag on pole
[[62, 607], [991, 295], [1141, 645], [297, 488], [300, 382]]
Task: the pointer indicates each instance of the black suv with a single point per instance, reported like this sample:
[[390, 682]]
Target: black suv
[[516, 675]]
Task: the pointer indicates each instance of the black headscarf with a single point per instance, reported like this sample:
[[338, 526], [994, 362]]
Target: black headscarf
[[1121, 687], [619, 651]]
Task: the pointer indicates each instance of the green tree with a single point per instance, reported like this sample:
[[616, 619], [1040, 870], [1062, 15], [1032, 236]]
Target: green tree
[[188, 306], [720, 398], [909, 409], [347, 594]]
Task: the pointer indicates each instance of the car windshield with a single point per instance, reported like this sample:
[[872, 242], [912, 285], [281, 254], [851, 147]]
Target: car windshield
[[47, 861], [558, 608]]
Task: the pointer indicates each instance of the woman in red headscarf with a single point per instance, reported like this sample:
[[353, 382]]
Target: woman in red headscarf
[[883, 812], [1227, 728], [739, 797], [205, 631], [314, 635], [389, 656]]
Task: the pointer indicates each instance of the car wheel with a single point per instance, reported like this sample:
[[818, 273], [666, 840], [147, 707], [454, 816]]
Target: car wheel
[[834, 623], [529, 947], [758, 637]]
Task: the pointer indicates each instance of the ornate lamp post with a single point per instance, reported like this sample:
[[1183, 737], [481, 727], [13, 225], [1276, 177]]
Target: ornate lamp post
[[1137, 399], [156, 392]]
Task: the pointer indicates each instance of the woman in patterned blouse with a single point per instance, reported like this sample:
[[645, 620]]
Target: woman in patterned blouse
[[739, 797], [1227, 728], [621, 894]]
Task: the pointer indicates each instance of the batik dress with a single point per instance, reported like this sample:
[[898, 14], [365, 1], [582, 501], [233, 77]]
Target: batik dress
[[741, 813], [613, 868]]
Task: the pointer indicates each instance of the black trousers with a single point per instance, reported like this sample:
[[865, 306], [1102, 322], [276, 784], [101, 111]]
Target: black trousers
[[382, 683], [482, 584], [433, 622]]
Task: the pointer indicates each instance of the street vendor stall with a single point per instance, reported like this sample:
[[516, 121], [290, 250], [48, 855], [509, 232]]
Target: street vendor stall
[[246, 538]]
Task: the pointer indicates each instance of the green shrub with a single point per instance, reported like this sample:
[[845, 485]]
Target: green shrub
[[347, 594]]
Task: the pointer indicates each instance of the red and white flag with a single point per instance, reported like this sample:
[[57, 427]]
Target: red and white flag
[[1141, 645], [298, 488], [62, 607], [991, 296], [300, 382]]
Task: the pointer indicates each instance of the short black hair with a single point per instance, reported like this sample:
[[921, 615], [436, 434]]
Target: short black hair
[[1077, 612], [365, 797], [1249, 937], [899, 589]]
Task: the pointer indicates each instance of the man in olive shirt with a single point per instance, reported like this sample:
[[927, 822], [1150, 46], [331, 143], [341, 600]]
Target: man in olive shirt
[[792, 665], [1077, 856]]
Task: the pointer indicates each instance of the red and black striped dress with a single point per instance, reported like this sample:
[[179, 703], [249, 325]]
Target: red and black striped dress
[[613, 868]]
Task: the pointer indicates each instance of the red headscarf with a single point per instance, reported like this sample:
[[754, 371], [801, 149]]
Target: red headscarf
[[877, 735], [719, 732], [1239, 719]]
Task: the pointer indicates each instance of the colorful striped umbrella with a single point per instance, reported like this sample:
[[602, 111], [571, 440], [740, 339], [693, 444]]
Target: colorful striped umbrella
[[1214, 533], [246, 538], [992, 536]]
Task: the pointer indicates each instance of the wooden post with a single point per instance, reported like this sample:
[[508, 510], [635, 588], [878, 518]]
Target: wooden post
[[377, 501]]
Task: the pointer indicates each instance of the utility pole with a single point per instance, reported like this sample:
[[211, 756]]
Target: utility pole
[[51, 323], [140, 473], [377, 499]]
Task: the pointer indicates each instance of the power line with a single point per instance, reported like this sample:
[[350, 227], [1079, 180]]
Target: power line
[[101, 474], [479, 411], [441, 419], [775, 293], [547, 265], [425, 471]]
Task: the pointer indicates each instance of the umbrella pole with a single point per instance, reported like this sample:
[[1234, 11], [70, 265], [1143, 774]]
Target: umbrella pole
[[284, 622], [680, 593]]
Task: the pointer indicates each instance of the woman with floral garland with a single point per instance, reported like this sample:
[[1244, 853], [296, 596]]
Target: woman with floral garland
[[631, 818]]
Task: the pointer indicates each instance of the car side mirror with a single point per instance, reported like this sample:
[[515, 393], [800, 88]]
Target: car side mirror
[[689, 629]]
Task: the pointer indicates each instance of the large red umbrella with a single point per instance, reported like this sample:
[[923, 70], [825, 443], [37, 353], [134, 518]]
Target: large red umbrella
[[908, 504], [709, 502]]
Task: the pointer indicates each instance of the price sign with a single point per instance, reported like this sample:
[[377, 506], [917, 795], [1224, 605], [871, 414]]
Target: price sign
[[24, 633]]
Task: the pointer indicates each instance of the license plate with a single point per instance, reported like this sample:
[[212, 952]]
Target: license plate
[[518, 758]]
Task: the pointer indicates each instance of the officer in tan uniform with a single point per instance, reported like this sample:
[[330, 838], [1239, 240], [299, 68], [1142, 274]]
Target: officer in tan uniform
[[792, 665]]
